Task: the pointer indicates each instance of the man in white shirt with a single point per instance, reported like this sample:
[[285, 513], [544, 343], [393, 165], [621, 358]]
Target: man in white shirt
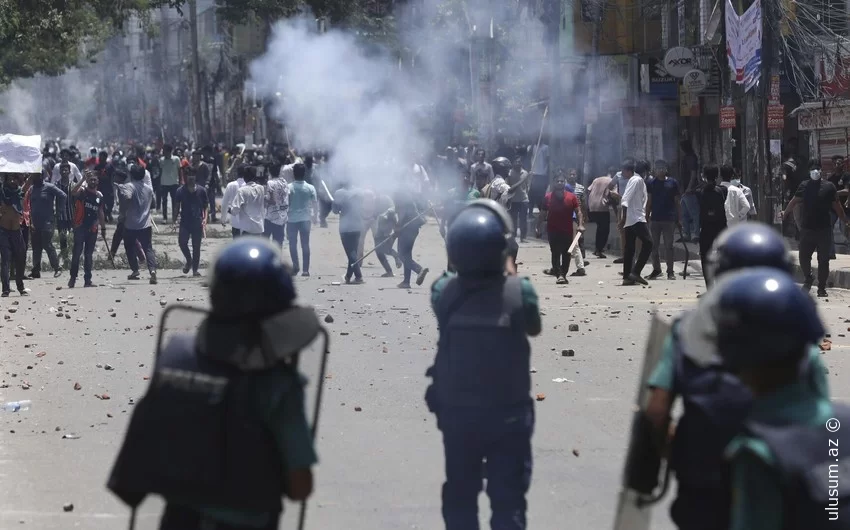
[[76, 176], [277, 209], [737, 206], [633, 221], [248, 210], [228, 196]]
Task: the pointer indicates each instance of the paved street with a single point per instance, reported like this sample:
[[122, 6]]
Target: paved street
[[381, 467]]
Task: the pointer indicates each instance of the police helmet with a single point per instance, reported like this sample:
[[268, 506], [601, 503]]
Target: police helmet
[[763, 316], [478, 238], [501, 166], [250, 280], [749, 244]]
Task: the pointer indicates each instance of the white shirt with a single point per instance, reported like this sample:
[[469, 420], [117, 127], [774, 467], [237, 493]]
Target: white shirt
[[748, 193], [737, 206], [277, 207], [634, 200], [228, 196], [76, 176], [248, 210], [287, 173]]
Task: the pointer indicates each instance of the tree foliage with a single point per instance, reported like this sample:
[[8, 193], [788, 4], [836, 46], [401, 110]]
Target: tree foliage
[[49, 36]]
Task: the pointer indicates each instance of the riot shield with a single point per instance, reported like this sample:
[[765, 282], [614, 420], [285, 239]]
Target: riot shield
[[635, 500], [311, 360]]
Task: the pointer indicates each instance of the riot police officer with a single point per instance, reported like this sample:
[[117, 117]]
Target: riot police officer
[[787, 471], [715, 401], [221, 433], [481, 383]]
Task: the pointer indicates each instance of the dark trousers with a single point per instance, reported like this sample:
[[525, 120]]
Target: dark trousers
[[164, 192], [64, 230], [84, 241], [178, 517], [406, 240], [707, 235], [602, 220], [274, 232], [294, 230], [12, 251], [384, 250], [350, 241], [559, 246], [196, 233], [117, 237], [519, 216], [144, 238], [108, 206], [211, 199], [325, 208], [812, 241], [633, 233], [502, 437], [43, 240]]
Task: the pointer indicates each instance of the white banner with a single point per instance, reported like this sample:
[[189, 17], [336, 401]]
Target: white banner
[[743, 43], [20, 154]]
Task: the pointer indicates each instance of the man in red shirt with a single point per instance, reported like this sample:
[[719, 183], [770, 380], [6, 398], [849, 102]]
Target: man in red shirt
[[558, 208]]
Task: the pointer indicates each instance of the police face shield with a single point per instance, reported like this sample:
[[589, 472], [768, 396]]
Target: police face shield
[[293, 338]]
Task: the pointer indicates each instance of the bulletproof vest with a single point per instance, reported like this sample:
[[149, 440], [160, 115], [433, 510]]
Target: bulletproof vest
[[713, 205], [716, 405], [196, 438], [483, 355], [813, 465]]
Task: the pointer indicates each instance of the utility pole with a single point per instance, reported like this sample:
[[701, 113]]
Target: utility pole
[[556, 108], [200, 129], [592, 96]]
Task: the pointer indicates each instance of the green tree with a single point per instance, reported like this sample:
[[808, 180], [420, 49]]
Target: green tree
[[49, 36]]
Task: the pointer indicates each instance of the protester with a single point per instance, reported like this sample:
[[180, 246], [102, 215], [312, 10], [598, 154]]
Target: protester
[[227, 198], [559, 207], [348, 204], [480, 163], [44, 197], [277, 209], [615, 194], [88, 214], [410, 220], [11, 240], [248, 209], [385, 224], [169, 180], [737, 207], [518, 179], [303, 211], [137, 222], [818, 198], [633, 220], [712, 211], [599, 210], [664, 210], [191, 207], [578, 190], [690, 184]]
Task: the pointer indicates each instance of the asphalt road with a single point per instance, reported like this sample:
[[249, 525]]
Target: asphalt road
[[381, 467]]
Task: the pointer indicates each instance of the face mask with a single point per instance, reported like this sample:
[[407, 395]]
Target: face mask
[[736, 183], [814, 174]]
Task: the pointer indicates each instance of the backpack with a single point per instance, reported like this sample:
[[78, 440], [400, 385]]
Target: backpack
[[712, 208]]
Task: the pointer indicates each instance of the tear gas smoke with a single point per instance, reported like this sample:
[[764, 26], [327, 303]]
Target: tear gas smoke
[[336, 96]]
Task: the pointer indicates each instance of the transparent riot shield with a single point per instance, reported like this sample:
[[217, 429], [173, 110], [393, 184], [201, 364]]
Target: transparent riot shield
[[311, 360]]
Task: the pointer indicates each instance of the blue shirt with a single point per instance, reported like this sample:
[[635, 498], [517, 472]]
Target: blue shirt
[[663, 194], [301, 198]]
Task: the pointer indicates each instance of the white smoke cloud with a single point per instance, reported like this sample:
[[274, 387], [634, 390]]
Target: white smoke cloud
[[334, 95]]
